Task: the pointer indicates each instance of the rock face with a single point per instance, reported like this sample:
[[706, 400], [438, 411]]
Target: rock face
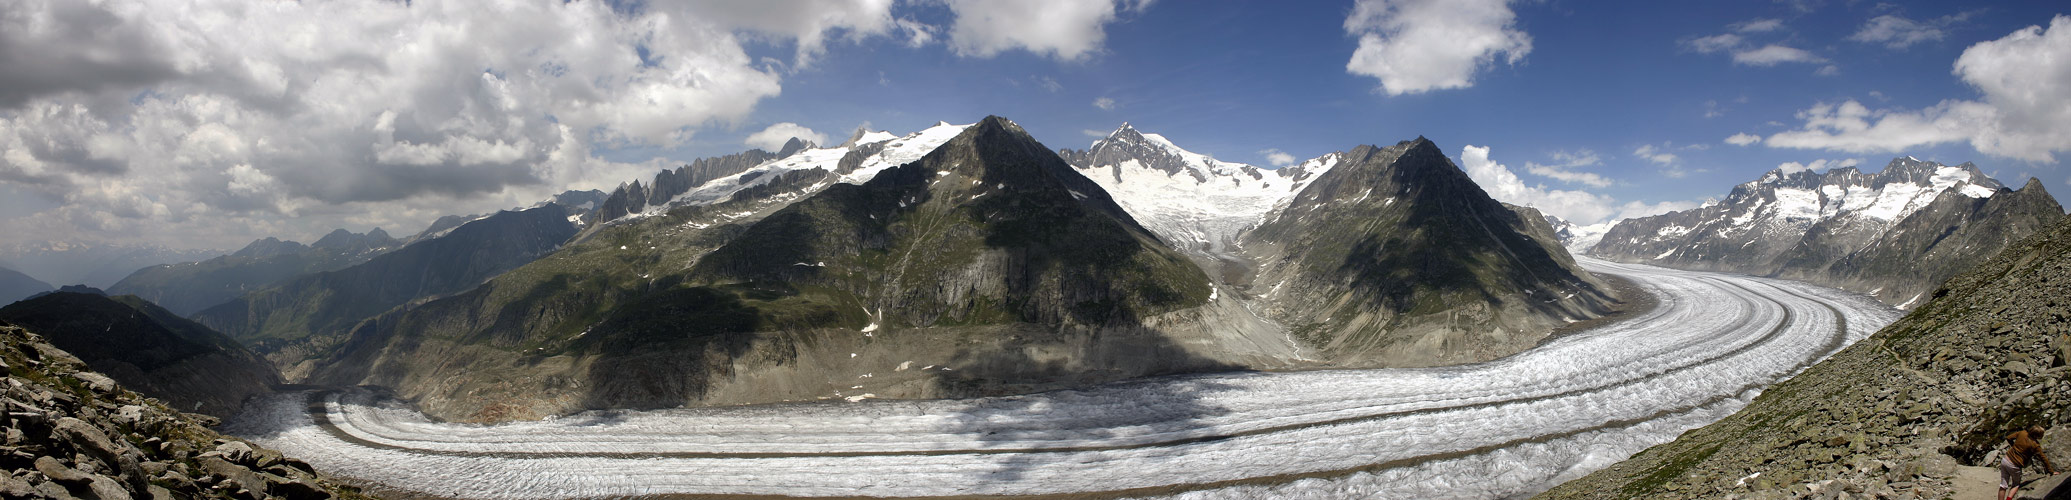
[[16, 286], [1394, 257], [325, 305], [668, 184], [68, 435], [1894, 234], [1898, 414], [190, 287], [149, 348]]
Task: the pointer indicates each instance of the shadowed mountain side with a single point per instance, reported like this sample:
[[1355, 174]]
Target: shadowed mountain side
[[1396, 258], [321, 305], [149, 349], [16, 286]]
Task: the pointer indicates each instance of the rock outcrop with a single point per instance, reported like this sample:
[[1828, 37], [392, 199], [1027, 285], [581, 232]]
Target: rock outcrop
[[72, 433], [1909, 412]]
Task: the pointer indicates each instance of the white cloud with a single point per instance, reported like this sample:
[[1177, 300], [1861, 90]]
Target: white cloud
[[1662, 155], [1067, 30], [1416, 46], [212, 122], [1104, 103], [1828, 70], [1820, 165], [1580, 207], [1096, 134], [1743, 139], [1897, 32], [1564, 168], [1277, 157], [1714, 43], [774, 137], [2025, 79], [1758, 25], [1774, 54], [1049, 84]]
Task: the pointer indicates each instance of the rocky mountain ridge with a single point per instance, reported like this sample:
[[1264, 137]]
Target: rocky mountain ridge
[[1914, 411], [1894, 234]]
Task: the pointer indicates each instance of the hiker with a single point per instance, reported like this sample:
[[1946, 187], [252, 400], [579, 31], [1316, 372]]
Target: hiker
[[2022, 447]]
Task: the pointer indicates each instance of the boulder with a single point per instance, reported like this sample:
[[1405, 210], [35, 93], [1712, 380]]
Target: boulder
[[217, 466]]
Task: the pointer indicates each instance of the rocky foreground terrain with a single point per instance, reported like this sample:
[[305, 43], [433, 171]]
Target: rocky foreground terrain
[[72, 433], [1915, 411]]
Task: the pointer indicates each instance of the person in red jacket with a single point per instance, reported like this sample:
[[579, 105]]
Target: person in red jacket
[[2022, 449]]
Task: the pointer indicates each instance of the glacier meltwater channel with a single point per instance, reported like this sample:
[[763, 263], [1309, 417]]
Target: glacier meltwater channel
[[1502, 428]]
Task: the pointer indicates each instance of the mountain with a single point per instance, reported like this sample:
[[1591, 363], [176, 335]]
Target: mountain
[[317, 307], [89, 263], [149, 348], [1332, 230], [1578, 239], [969, 260], [1913, 411], [1197, 204], [16, 286], [1893, 235], [1394, 257], [190, 287], [84, 436]]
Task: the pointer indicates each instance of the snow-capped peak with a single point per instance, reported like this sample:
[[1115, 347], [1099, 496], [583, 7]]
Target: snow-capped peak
[[1192, 200], [890, 151]]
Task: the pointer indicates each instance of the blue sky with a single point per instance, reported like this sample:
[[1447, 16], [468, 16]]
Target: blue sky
[[1232, 79], [209, 124]]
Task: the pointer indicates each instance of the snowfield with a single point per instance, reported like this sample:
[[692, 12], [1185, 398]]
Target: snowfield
[[1491, 430]]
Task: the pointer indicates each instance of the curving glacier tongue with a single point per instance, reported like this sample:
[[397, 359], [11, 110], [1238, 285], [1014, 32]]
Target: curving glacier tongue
[[1502, 428]]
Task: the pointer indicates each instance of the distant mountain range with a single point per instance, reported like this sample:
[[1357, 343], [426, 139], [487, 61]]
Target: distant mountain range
[[1895, 234], [16, 286], [99, 265], [189, 287]]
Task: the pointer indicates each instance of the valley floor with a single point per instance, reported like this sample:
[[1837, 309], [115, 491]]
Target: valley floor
[[1504, 428]]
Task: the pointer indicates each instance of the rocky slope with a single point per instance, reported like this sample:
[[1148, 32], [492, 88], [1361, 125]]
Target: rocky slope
[[72, 433], [321, 307], [1394, 257], [1894, 234], [985, 265], [1902, 414], [16, 286], [189, 287], [150, 349]]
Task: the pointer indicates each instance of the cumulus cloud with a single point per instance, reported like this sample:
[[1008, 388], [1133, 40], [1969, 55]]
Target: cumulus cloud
[[1743, 139], [1066, 30], [1580, 207], [1416, 46], [774, 137], [2024, 77], [1277, 157], [1664, 155], [212, 122], [1774, 54], [1104, 103]]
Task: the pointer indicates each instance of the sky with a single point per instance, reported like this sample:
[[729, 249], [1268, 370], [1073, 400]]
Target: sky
[[210, 123]]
